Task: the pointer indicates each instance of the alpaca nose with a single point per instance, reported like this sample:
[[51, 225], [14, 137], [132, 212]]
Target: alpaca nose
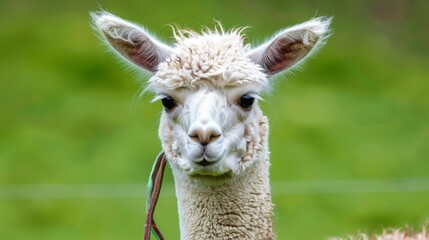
[[205, 134]]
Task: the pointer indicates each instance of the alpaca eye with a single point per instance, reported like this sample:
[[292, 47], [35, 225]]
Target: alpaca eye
[[168, 103], [246, 101]]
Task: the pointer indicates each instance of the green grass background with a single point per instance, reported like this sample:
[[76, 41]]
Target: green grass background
[[358, 110]]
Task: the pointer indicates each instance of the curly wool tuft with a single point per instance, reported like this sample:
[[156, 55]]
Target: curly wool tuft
[[212, 57], [392, 234]]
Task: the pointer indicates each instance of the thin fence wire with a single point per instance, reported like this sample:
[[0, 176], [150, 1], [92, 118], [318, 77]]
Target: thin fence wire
[[279, 188]]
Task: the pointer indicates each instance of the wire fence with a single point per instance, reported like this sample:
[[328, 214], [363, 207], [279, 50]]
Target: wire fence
[[279, 188]]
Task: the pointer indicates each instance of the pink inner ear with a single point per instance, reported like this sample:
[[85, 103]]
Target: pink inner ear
[[144, 54], [278, 67], [283, 53], [140, 50]]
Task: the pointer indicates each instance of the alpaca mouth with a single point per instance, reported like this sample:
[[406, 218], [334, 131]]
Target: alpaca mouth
[[207, 169], [205, 163]]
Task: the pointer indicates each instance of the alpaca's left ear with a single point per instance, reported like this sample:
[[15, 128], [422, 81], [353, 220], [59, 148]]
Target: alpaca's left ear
[[291, 45]]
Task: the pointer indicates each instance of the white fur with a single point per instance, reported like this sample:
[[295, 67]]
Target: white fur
[[392, 234], [206, 74]]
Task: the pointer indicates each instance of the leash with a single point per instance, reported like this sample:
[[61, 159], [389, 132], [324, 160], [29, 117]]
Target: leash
[[153, 190]]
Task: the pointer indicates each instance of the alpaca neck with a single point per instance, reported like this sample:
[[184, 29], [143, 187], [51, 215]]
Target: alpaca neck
[[237, 209]]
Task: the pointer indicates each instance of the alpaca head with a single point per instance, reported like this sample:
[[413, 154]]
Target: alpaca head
[[209, 84]]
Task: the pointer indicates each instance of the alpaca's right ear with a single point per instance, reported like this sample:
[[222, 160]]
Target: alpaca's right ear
[[291, 46], [131, 41]]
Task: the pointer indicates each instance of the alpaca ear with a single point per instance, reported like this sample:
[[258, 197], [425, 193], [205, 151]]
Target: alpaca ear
[[131, 41], [291, 45]]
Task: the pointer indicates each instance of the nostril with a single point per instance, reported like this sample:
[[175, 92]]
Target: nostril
[[214, 137], [195, 138]]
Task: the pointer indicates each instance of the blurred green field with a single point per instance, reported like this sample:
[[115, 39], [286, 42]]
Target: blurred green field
[[70, 118]]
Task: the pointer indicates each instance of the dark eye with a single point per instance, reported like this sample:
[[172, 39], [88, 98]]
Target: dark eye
[[168, 103], [246, 101]]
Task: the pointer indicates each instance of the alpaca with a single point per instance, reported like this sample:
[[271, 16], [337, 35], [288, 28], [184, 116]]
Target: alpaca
[[212, 130]]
